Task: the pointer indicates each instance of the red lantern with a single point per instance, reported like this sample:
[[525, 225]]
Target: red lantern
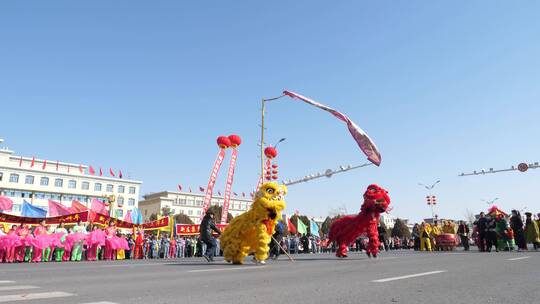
[[235, 140], [274, 177], [274, 166], [274, 171], [270, 152], [223, 142]]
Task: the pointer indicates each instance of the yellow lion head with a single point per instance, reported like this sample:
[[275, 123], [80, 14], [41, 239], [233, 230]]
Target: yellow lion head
[[270, 199]]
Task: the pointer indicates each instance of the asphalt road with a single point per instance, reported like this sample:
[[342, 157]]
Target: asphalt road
[[396, 277]]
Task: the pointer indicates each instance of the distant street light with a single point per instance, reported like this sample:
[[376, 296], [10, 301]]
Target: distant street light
[[431, 199], [328, 173], [491, 202], [522, 167]]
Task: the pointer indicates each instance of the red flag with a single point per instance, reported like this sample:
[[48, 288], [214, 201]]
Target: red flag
[[98, 207], [243, 194], [44, 165], [20, 162], [291, 227], [111, 172], [120, 175], [6, 204], [219, 193], [179, 187], [100, 172], [189, 189], [77, 207], [57, 209], [57, 163], [127, 217], [201, 189], [68, 169], [81, 169], [235, 194], [91, 170], [33, 162]]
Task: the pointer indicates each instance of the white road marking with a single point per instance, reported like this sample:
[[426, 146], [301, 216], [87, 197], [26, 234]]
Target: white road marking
[[34, 296], [102, 302], [6, 282], [408, 276], [17, 287], [225, 269], [521, 258]]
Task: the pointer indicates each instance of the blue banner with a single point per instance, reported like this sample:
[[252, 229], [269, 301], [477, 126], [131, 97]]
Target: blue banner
[[29, 210]]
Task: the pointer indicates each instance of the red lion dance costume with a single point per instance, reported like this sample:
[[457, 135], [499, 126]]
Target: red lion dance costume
[[347, 229]]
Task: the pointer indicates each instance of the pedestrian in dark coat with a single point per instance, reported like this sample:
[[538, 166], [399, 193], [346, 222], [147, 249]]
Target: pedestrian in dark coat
[[516, 223], [206, 228]]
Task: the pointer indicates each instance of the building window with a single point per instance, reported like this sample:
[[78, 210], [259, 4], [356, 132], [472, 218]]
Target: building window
[[17, 207], [44, 181], [97, 187], [14, 178], [72, 184], [131, 202], [181, 211], [121, 189], [198, 212], [120, 201], [131, 190], [119, 213], [59, 182], [85, 185], [190, 212], [199, 202], [29, 180], [109, 188], [181, 202]]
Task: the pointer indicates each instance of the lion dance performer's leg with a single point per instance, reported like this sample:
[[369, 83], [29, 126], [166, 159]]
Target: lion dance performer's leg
[[374, 243], [263, 238]]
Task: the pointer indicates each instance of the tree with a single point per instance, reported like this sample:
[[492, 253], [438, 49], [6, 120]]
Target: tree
[[166, 211], [325, 227], [153, 217], [217, 213], [388, 230], [401, 230], [183, 219]]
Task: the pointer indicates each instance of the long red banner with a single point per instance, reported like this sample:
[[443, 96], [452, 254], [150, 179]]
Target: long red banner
[[228, 187], [67, 219], [103, 219], [212, 181], [157, 224], [186, 229]]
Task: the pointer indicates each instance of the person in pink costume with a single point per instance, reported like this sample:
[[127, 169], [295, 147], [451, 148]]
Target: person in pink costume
[[20, 250], [39, 232], [110, 246]]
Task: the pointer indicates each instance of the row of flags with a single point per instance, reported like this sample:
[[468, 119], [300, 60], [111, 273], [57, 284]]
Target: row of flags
[[302, 228], [202, 189], [58, 209], [91, 169]]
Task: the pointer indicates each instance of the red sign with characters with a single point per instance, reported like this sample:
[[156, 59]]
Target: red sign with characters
[[68, 219], [187, 229], [157, 224]]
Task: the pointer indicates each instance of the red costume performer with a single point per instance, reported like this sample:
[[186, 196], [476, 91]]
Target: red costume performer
[[347, 229], [139, 242]]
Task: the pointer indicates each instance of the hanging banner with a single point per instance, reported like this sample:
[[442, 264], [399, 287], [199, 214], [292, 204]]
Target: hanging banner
[[362, 139], [102, 219], [67, 219], [186, 229], [228, 187], [157, 224], [212, 181]]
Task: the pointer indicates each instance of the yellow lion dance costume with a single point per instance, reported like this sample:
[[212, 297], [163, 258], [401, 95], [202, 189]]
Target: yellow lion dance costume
[[251, 231]]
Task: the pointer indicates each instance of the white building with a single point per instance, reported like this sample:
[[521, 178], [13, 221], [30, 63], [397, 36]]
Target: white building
[[61, 182], [388, 220], [187, 203]]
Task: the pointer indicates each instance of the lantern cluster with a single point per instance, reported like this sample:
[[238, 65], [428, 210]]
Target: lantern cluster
[[271, 169], [431, 200], [231, 141]]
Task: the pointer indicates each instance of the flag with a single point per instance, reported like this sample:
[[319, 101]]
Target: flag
[[57, 164], [291, 227], [120, 175], [57, 209], [91, 170], [243, 194], [76, 207], [33, 162], [219, 193], [81, 169], [362, 139], [235, 194], [179, 187], [44, 165], [28, 210], [68, 168], [6, 204], [98, 207], [301, 227], [20, 162], [127, 217], [136, 216], [111, 172], [100, 172], [313, 228], [201, 189], [189, 189]]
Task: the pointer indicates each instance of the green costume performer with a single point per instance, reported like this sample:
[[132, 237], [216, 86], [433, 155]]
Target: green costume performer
[[504, 242], [59, 251], [76, 252]]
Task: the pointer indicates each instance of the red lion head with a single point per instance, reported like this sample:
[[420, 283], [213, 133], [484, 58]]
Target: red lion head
[[376, 199]]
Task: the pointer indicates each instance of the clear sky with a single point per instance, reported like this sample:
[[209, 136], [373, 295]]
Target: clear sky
[[442, 87]]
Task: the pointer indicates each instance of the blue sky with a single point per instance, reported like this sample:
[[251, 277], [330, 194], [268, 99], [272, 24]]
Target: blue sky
[[441, 87]]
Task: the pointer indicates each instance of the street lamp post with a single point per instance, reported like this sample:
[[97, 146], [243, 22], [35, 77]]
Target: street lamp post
[[491, 202], [431, 199], [263, 104]]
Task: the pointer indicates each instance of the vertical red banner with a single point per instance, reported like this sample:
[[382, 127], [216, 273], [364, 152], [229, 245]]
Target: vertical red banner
[[212, 181], [228, 187]]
